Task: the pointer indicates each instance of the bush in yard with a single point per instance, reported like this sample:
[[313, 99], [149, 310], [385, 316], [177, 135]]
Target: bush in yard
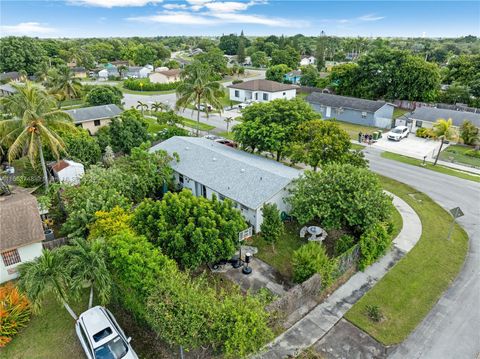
[[469, 133], [14, 312], [312, 258], [374, 242], [104, 95], [146, 85], [343, 244], [237, 82], [272, 226], [473, 153], [192, 230], [340, 196], [373, 312]]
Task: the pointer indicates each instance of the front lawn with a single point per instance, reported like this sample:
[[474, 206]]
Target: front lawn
[[407, 293], [353, 129], [456, 153], [228, 135], [153, 125], [438, 168], [193, 124], [132, 92]]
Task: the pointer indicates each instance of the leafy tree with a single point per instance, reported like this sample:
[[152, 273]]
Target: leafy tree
[[62, 82], [270, 126], [322, 196], [310, 76], [32, 125], [104, 95], [443, 129], [469, 133], [277, 72], [312, 258], [172, 64], [197, 88], [21, 53], [319, 142], [259, 59], [463, 69], [241, 51], [44, 276], [272, 226], [288, 56], [144, 54], [320, 51], [455, 93], [215, 60], [128, 131], [229, 44], [87, 265], [192, 230]]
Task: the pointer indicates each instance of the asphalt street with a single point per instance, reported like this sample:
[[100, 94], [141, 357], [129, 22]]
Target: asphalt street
[[452, 328]]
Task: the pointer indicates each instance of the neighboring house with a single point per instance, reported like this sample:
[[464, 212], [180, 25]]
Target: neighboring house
[[261, 91], [352, 109], [72, 63], [10, 76], [350, 56], [95, 117], [79, 72], [161, 68], [109, 71], [308, 60], [150, 67], [6, 90], [21, 232], [426, 117], [119, 63], [196, 52], [209, 168], [166, 76], [248, 61], [293, 77], [67, 171], [137, 72]]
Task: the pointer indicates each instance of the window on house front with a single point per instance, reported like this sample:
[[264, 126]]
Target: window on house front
[[243, 207], [204, 191], [419, 124], [364, 115], [221, 197], [79, 125], [180, 178], [237, 93], [284, 94], [96, 122], [11, 257], [265, 96]]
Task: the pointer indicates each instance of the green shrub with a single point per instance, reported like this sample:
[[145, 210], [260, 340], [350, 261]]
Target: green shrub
[[272, 226], [373, 243], [421, 132], [373, 312], [146, 85], [237, 82], [473, 153], [344, 243], [312, 258]]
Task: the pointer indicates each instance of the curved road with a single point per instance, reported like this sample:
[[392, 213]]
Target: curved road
[[452, 328]]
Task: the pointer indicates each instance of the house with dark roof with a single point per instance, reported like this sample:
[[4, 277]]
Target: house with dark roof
[[261, 91], [427, 116], [352, 109], [10, 76], [209, 168], [21, 232], [6, 90], [80, 72], [95, 117]]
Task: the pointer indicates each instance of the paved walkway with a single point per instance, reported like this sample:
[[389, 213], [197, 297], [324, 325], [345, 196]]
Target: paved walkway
[[324, 316]]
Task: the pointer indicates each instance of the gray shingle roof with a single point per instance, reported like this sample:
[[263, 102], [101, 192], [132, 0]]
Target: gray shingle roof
[[86, 114], [344, 102], [295, 73], [7, 88], [262, 85], [432, 114], [243, 177]]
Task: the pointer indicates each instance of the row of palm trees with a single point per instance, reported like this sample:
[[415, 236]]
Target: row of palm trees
[[154, 107], [65, 273]]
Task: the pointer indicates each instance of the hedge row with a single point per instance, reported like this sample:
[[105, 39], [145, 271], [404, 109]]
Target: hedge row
[[146, 85]]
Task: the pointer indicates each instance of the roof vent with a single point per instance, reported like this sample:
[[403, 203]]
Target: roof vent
[[214, 158], [242, 170], [187, 148]]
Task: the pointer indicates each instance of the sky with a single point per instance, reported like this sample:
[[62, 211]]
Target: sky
[[124, 18]]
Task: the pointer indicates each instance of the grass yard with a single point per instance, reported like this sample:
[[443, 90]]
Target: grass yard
[[302, 95], [153, 125], [438, 168], [228, 135], [353, 129], [457, 154], [193, 124], [358, 146], [132, 92], [407, 293]]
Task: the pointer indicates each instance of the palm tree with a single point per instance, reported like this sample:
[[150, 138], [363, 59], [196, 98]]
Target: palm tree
[[63, 83], [33, 124], [86, 261], [47, 274], [43, 72], [443, 130], [228, 121], [196, 87], [159, 106], [141, 105]]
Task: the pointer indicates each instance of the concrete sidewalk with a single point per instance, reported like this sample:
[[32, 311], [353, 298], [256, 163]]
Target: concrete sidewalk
[[324, 316]]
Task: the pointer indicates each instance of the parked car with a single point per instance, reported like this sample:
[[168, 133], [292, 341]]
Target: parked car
[[203, 107], [101, 337], [397, 133], [212, 137]]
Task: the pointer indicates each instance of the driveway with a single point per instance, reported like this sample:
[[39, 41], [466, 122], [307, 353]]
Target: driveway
[[411, 146]]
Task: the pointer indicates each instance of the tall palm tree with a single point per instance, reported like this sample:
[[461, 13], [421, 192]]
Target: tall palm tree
[[46, 275], [141, 106], [32, 124], [63, 83], [43, 72], [197, 87], [443, 129], [159, 106], [228, 121], [86, 261]]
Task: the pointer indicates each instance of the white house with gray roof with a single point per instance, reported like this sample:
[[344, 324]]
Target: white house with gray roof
[[94, 117], [352, 109], [208, 168]]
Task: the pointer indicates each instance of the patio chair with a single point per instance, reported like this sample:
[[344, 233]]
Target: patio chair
[[303, 232]]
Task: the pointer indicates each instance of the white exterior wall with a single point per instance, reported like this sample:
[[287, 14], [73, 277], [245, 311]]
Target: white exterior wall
[[26, 253], [278, 199], [71, 174], [143, 73], [103, 74], [244, 95]]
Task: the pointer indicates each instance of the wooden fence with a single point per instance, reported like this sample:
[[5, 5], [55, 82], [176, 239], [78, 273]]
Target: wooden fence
[[55, 243]]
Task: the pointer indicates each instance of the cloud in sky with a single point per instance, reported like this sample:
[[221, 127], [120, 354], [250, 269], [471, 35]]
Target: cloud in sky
[[26, 28], [114, 3], [371, 17]]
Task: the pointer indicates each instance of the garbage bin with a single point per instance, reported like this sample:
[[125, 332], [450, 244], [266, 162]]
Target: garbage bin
[[375, 135]]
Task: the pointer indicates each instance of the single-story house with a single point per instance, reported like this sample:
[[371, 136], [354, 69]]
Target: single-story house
[[247, 61], [426, 117], [137, 72], [308, 60], [352, 109], [119, 63], [161, 68], [67, 171], [10, 76], [164, 77], [6, 90], [196, 51], [79, 72], [21, 232], [293, 76], [109, 71], [95, 117], [261, 90], [209, 168]]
